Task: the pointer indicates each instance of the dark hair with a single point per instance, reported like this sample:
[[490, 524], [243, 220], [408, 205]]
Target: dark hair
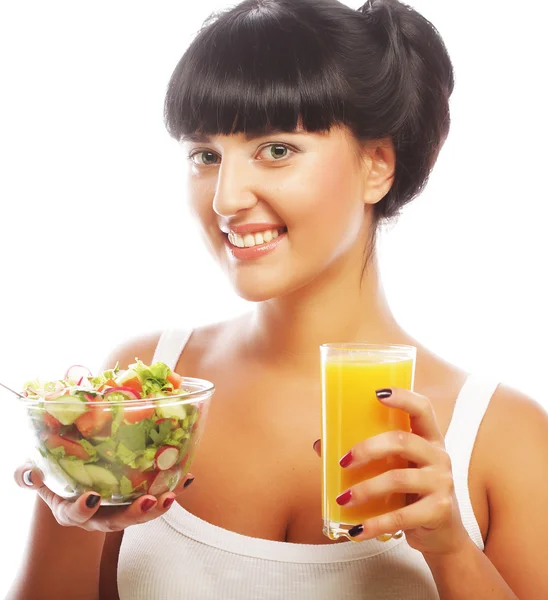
[[264, 65]]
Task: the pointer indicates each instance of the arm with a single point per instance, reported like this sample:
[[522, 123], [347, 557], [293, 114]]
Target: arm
[[68, 562], [515, 438], [52, 568]]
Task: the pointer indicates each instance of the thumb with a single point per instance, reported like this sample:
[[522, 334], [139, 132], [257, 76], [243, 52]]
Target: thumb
[[29, 476]]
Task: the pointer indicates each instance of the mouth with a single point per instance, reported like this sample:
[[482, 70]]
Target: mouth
[[251, 240]]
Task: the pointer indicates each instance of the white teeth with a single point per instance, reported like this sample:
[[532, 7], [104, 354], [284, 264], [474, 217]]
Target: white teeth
[[249, 240]]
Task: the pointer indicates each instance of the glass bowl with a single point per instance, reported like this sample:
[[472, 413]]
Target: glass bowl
[[118, 449]]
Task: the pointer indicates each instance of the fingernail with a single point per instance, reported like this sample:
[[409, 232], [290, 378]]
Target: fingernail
[[168, 502], [385, 393], [356, 530], [188, 482], [346, 459], [92, 501], [315, 445], [344, 498], [27, 478], [148, 504]]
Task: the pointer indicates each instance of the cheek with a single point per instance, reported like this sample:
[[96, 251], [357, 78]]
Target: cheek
[[327, 201], [200, 201]]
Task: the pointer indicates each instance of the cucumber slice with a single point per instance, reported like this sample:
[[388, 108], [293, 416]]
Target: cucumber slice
[[77, 470], [175, 410], [107, 450], [66, 414], [101, 477]]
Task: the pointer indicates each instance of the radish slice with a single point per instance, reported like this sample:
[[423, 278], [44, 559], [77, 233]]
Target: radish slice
[[160, 483], [76, 372], [166, 457], [128, 393]]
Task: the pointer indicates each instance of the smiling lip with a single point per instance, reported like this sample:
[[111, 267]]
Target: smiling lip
[[255, 251], [252, 228]]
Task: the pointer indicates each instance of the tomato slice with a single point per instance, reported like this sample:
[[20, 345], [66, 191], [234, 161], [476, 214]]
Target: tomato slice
[[175, 379], [133, 383], [52, 423], [93, 421], [136, 414], [137, 477], [71, 448]]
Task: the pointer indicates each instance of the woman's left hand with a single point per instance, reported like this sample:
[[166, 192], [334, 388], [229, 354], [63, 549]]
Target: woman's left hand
[[431, 520]]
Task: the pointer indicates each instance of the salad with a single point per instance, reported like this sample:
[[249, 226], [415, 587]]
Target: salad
[[122, 433]]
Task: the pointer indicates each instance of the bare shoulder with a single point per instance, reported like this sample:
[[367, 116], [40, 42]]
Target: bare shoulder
[[513, 434], [512, 447], [141, 347], [513, 418]]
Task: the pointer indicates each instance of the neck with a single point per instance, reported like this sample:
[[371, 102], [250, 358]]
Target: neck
[[336, 309]]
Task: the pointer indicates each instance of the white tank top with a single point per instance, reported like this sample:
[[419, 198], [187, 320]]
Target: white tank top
[[179, 556]]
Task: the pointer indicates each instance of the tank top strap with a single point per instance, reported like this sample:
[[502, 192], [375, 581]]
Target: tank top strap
[[470, 408], [170, 345]]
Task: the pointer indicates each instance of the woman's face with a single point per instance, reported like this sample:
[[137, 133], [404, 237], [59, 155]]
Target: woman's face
[[307, 189]]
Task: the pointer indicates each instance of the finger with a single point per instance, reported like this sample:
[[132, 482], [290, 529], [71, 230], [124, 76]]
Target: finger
[[28, 476], [428, 512], [392, 443], [317, 446], [419, 408], [146, 508], [70, 513], [396, 481], [183, 483]]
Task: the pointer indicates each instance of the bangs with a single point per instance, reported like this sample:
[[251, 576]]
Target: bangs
[[255, 72]]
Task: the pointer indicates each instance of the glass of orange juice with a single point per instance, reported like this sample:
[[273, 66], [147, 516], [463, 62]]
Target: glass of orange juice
[[351, 412]]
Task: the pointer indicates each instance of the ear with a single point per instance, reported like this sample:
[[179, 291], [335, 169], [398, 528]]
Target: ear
[[379, 159]]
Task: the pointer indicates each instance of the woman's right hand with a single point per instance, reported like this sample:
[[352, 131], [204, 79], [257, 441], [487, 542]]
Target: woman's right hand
[[86, 511]]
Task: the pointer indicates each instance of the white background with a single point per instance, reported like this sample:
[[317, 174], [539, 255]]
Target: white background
[[96, 244]]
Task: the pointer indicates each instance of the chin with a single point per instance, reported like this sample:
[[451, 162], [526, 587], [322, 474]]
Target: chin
[[261, 289]]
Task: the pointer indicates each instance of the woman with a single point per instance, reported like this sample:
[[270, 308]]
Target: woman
[[307, 125]]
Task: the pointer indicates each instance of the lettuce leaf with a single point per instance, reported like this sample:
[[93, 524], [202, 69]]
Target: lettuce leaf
[[158, 437], [153, 378], [126, 455], [125, 486]]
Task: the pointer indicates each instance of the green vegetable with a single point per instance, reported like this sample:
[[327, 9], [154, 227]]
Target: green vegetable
[[158, 437], [125, 486], [135, 435], [153, 378], [107, 450], [126, 455], [90, 449], [66, 413]]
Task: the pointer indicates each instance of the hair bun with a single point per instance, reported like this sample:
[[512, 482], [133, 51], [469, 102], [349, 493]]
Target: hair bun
[[403, 31]]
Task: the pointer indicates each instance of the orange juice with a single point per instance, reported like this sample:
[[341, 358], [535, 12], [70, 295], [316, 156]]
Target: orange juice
[[351, 413]]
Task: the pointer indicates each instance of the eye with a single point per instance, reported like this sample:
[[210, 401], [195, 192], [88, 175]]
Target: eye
[[204, 158], [275, 152]]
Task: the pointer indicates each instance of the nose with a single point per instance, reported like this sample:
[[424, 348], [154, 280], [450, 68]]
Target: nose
[[234, 189]]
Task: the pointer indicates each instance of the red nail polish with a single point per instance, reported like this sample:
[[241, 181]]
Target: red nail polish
[[344, 498], [168, 502], [148, 504], [346, 459]]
